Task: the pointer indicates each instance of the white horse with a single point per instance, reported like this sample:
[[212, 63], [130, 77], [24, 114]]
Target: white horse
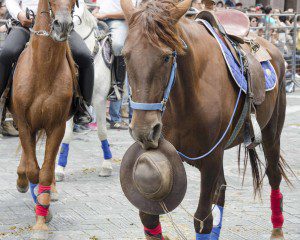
[[86, 26]]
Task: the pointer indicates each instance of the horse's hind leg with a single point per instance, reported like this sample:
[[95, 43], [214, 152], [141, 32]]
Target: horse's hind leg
[[275, 171], [100, 109], [54, 138], [64, 152], [219, 202], [152, 227]]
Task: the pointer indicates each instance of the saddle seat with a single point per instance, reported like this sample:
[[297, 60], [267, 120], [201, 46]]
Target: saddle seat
[[234, 23]]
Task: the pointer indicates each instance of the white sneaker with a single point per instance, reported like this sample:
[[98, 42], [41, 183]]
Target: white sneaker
[[106, 169], [59, 173]]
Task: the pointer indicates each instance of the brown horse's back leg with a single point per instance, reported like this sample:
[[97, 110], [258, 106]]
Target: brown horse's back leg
[[219, 202], [275, 171], [54, 138], [152, 227]]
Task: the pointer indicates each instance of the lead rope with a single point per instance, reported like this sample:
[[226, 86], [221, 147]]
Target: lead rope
[[176, 228]]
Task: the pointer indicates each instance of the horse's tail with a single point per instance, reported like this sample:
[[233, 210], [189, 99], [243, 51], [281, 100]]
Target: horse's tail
[[257, 172], [256, 168]]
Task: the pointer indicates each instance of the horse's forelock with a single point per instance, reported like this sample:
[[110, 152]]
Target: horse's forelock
[[155, 21]]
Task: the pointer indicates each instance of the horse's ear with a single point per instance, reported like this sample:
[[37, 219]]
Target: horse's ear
[[128, 9], [77, 3], [181, 8]]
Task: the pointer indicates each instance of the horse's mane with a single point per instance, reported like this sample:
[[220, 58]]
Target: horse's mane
[[154, 18]]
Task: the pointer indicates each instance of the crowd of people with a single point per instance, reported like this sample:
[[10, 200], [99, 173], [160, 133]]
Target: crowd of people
[[273, 24]]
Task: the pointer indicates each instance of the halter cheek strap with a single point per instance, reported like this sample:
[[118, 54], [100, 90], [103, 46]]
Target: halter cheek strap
[[156, 106]]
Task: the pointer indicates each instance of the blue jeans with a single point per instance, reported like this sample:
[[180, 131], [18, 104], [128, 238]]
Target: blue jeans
[[118, 30], [115, 111]]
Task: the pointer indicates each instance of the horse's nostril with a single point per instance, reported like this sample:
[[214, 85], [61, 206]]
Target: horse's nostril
[[56, 24], [155, 133]]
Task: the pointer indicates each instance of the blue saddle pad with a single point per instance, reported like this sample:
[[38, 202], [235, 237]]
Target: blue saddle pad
[[234, 68]]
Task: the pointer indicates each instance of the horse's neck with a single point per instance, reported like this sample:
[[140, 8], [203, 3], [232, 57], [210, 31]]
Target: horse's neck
[[45, 48]]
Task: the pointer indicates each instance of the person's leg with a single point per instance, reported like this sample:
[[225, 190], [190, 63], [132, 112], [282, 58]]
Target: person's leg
[[118, 30], [13, 46], [82, 56], [115, 115]]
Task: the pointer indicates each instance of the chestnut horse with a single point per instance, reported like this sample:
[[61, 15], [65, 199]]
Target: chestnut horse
[[200, 105], [42, 96]]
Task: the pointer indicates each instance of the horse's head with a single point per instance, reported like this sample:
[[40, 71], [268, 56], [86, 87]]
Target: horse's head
[[61, 11], [152, 39]]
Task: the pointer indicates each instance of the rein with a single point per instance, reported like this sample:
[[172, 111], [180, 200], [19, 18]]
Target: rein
[[162, 105]]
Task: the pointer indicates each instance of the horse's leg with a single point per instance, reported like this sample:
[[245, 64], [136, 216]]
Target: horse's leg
[[28, 159], [99, 100], [64, 152], [22, 182], [152, 227], [210, 169], [271, 145], [219, 202], [46, 176]]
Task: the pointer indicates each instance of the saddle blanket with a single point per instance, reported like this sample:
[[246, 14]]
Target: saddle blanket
[[234, 68]]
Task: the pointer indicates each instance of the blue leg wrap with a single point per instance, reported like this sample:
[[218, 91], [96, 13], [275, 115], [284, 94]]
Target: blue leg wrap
[[32, 187], [106, 150], [215, 233], [63, 156], [202, 236]]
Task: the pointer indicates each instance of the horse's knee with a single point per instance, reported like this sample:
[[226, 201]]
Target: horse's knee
[[33, 175]]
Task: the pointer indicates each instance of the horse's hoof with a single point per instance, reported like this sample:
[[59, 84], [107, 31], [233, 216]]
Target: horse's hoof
[[54, 196], [59, 173], [277, 234], [49, 217], [106, 169], [23, 189], [39, 235]]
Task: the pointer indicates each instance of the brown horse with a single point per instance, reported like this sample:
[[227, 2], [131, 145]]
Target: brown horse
[[42, 96], [200, 105]]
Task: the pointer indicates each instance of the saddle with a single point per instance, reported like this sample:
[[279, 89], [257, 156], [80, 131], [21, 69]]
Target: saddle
[[233, 27], [115, 64]]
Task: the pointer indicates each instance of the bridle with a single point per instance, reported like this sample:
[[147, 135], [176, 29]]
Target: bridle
[[156, 106], [45, 33]]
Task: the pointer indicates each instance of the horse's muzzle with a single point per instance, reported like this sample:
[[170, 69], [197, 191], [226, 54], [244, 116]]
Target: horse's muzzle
[[146, 136], [61, 29]]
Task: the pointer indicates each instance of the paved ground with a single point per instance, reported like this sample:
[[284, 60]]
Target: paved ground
[[91, 207]]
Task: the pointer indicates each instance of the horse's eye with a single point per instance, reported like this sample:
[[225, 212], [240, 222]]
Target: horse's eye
[[167, 59]]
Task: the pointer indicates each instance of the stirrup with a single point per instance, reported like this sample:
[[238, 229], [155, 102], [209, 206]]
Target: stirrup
[[251, 143], [116, 94], [82, 115]]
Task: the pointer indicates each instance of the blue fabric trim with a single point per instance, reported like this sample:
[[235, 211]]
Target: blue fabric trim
[[63, 156], [106, 149], [215, 233], [147, 106], [202, 236], [234, 68], [32, 187]]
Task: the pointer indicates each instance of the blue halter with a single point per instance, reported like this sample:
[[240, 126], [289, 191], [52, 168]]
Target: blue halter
[[156, 106]]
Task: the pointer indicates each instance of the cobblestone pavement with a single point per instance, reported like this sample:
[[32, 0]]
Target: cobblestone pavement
[[91, 207]]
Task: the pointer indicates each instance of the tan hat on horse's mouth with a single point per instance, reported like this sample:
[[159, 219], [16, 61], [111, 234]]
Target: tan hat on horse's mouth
[[149, 177]]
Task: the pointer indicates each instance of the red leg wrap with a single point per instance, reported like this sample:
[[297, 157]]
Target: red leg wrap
[[40, 209], [276, 207], [155, 232]]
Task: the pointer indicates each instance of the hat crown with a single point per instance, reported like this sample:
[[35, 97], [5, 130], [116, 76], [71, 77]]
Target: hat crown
[[153, 175]]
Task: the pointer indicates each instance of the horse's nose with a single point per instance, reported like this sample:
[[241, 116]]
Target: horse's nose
[[64, 26], [147, 137]]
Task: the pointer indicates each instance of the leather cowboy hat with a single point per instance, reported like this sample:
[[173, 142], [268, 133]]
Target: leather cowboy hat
[[153, 178]]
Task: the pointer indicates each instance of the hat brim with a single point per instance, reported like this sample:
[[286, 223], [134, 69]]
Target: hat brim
[[178, 190]]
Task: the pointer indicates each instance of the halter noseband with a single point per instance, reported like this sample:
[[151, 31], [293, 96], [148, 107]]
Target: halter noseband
[[156, 106]]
